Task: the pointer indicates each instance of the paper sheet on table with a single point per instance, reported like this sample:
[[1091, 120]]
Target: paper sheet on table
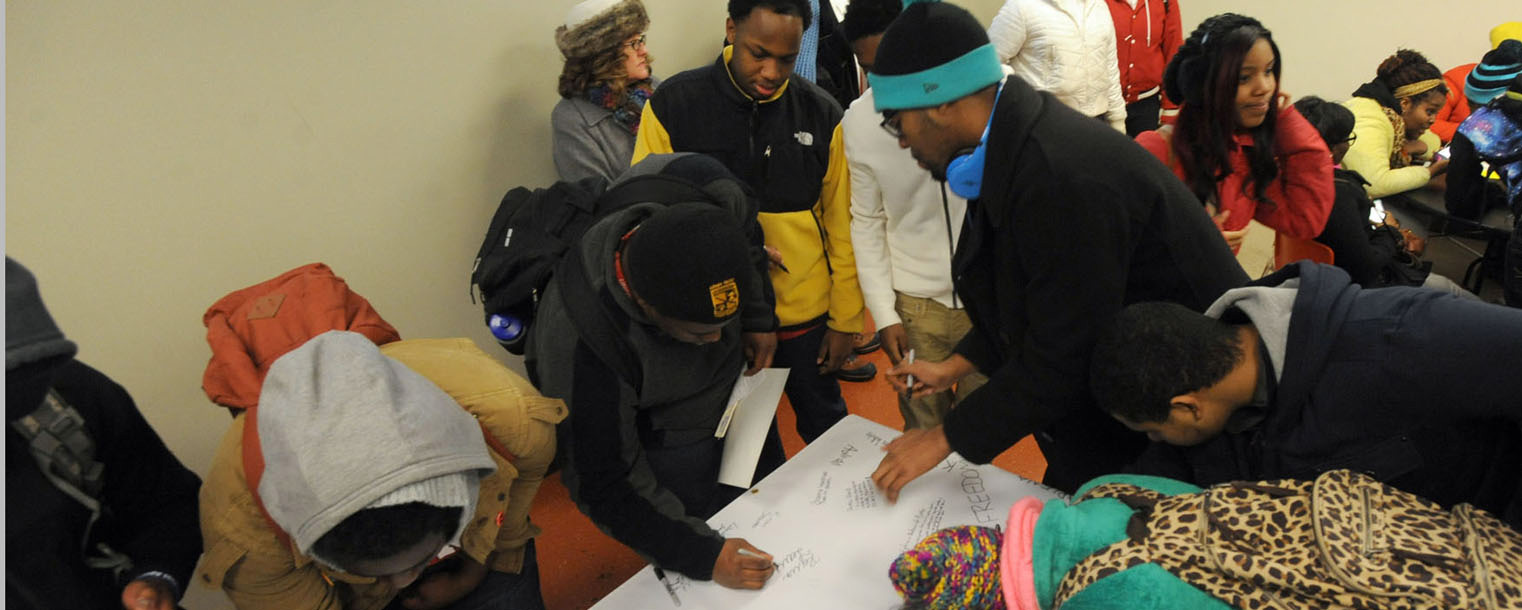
[[831, 533], [747, 419]]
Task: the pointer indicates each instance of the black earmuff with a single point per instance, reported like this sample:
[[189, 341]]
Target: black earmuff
[[1192, 78]]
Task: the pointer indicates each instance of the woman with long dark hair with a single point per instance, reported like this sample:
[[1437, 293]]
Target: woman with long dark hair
[[604, 85], [1238, 144], [1393, 115]]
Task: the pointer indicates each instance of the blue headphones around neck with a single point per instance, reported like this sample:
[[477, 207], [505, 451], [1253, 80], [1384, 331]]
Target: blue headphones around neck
[[964, 174]]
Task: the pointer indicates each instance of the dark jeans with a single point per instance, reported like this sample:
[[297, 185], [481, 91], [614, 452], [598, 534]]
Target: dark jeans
[[691, 471], [815, 398], [499, 591], [1142, 115]]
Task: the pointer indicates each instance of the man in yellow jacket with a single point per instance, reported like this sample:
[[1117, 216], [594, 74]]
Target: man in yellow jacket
[[781, 136], [368, 476]]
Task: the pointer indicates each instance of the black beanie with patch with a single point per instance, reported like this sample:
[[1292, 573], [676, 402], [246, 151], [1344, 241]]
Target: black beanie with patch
[[690, 262]]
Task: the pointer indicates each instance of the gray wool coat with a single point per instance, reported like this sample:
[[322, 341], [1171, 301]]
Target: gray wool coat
[[587, 142]]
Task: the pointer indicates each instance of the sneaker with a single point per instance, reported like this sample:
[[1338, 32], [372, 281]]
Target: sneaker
[[866, 344], [856, 370]]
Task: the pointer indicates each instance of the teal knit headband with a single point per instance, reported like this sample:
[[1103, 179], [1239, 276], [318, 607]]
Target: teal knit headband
[[947, 82]]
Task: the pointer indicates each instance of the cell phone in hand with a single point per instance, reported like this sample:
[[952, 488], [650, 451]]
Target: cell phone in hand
[[1377, 213], [1442, 154]]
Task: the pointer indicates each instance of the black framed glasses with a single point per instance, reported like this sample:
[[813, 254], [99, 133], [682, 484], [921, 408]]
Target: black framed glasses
[[636, 44], [1352, 137], [890, 124]]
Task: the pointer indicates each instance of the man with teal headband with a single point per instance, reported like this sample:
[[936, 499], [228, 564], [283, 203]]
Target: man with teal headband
[[1067, 221]]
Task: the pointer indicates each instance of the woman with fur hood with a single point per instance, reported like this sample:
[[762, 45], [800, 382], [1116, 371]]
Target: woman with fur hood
[[604, 86]]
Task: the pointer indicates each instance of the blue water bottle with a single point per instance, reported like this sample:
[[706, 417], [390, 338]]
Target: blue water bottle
[[509, 331]]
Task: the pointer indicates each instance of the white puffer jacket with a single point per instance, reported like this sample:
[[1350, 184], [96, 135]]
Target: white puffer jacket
[[1066, 47]]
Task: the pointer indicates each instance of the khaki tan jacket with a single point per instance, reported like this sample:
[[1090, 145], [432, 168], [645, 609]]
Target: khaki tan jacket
[[259, 569]]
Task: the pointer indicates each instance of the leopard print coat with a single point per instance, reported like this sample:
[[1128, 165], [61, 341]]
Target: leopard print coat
[[1344, 540]]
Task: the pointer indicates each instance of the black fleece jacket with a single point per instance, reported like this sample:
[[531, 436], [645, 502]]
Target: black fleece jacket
[[150, 499]]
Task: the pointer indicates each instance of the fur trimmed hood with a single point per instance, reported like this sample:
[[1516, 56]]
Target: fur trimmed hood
[[610, 23]]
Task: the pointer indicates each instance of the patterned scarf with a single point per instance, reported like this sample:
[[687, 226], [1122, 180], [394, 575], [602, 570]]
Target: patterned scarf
[[1378, 92], [1398, 156], [626, 108]]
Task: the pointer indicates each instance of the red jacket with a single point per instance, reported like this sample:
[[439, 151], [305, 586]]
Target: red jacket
[[1146, 38], [1456, 109], [250, 328], [1303, 191]]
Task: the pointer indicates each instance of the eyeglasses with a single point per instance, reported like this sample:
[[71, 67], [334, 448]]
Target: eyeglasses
[[1351, 138], [890, 124], [636, 44]]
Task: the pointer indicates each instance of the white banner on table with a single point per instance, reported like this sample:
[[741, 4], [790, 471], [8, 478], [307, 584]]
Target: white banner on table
[[832, 534]]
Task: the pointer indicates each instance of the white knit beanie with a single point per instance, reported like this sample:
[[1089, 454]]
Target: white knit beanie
[[594, 26], [583, 12]]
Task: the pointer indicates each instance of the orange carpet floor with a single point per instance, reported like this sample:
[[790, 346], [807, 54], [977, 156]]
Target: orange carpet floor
[[579, 564]]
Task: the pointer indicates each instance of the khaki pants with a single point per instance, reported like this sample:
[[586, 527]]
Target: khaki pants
[[933, 330]]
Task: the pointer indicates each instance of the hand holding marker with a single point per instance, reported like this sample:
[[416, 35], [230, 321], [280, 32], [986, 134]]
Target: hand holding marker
[[909, 379], [749, 553]]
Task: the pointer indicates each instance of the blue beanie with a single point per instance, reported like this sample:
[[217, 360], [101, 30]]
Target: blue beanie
[[933, 53], [1490, 78]]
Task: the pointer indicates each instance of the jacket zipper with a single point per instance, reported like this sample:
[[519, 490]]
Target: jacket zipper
[[755, 111], [1368, 524]]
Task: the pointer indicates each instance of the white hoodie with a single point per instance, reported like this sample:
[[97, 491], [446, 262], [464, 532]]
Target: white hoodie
[[898, 222]]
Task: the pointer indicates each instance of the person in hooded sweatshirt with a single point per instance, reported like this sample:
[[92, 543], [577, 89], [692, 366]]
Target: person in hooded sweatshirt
[[139, 551], [1303, 371], [373, 477], [667, 290]]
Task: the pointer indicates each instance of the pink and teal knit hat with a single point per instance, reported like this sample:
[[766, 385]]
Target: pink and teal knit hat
[[955, 568]]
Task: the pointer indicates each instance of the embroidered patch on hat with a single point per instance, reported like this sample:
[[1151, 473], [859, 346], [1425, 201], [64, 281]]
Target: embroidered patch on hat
[[726, 298]]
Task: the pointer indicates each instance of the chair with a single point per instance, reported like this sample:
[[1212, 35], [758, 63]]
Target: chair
[[1288, 249]]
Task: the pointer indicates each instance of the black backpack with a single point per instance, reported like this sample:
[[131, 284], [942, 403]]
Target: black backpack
[[528, 235], [532, 230]]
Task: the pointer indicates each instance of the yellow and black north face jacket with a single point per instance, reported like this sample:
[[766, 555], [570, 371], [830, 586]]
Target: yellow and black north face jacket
[[788, 148]]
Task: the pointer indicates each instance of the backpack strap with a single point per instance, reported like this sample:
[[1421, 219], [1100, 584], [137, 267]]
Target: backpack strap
[[595, 324], [56, 435], [496, 445], [652, 188], [253, 470]]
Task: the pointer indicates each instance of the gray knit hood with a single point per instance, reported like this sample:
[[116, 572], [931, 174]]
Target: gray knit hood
[[30, 333], [34, 346], [343, 427], [1269, 309]]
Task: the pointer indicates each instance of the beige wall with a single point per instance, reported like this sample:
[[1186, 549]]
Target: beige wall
[[1329, 47], [161, 154]]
